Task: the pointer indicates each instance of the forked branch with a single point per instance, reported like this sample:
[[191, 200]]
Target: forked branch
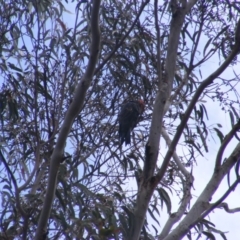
[[73, 111]]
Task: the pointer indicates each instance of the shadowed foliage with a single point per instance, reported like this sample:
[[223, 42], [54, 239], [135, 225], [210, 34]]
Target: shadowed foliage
[[103, 190]]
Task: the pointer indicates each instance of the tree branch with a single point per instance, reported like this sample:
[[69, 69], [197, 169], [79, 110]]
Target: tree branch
[[190, 4], [224, 144], [159, 67], [163, 95], [187, 114], [175, 217], [118, 45], [227, 209], [175, 156], [73, 111], [36, 166], [148, 183], [186, 191], [202, 203], [18, 204], [219, 203]]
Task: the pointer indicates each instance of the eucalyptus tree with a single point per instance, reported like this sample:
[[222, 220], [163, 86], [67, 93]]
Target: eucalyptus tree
[[66, 69]]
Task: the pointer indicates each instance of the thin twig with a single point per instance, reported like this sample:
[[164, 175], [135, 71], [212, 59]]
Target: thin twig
[[191, 106], [2, 158], [224, 144], [119, 44], [220, 200], [73, 110]]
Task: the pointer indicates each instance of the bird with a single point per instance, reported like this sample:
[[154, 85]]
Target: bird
[[128, 118]]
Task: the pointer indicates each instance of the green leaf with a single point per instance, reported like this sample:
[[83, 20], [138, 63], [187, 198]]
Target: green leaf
[[13, 112], [12, 66], [203, 139], [209, 235], [164, 197], [84, 189], [3, 103], [206, 46], [118, 196], [124, 224], [129, 214], [220, 134], [153, 217], [207, 223], [193, 144], [237, 167], [231, 118], [42, 90], [61, 201]]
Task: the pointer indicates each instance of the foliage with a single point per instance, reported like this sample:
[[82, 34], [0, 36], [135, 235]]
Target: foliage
[[45, 51]]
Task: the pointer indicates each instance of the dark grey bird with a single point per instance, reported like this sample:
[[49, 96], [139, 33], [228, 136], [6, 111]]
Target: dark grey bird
[[128, 118]]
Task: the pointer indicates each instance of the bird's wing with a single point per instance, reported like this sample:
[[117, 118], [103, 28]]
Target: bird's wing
[[129, 114]]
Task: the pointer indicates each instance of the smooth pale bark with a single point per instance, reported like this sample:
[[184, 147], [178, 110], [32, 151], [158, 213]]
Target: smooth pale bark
[[192, 104], [148, 182], [202, 203], [72, 112]]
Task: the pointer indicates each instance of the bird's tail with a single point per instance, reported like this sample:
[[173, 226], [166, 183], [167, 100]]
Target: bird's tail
[[125, 137]]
